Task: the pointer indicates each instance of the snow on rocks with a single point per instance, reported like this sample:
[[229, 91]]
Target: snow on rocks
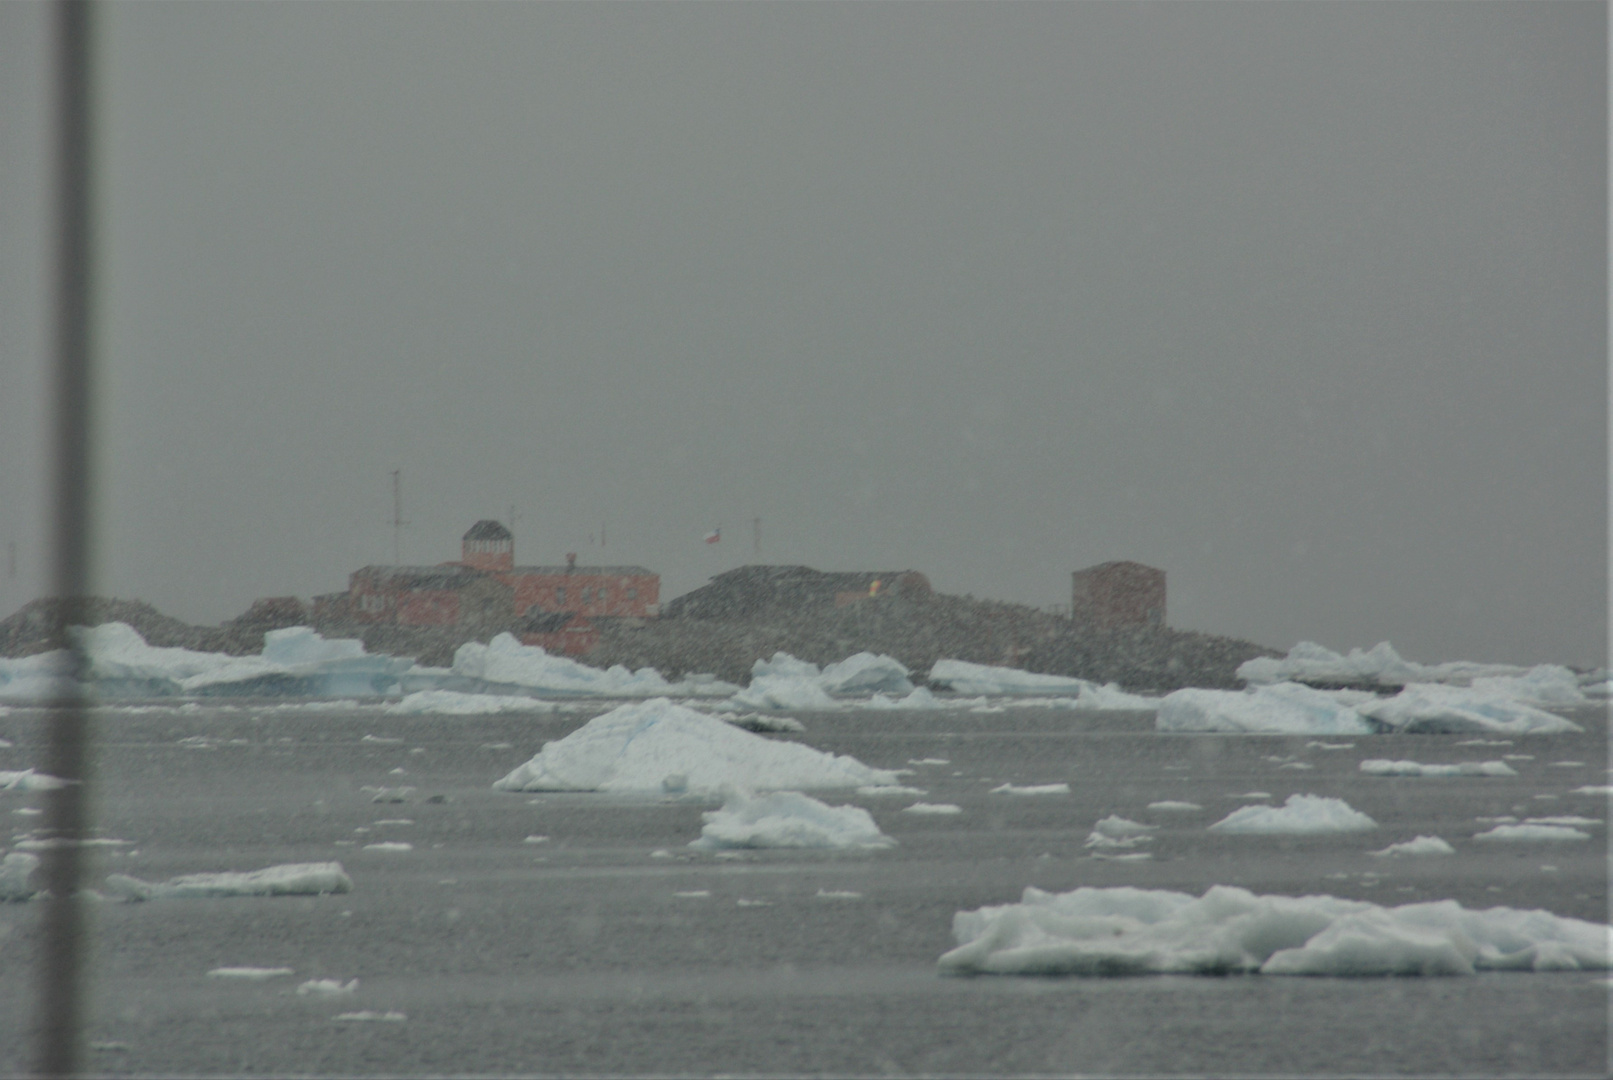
[[1531, 833], [507, 665], [1426, 708], [634, 747], [15, 871], [290, 879], [1384, 767], [1284, 709], [1128, 931], [456, 703], [966, 678], [1301, 815], [788, 819], [1422, 845]]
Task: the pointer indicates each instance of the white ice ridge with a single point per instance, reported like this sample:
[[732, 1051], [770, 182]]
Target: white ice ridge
[[1384, 767], [644, 747], [1546, 684], [1422, 845], [1228, 930], [290, 879], [506, 665], [457, 703], [15, 870], [1301, 815], [966, 678], [788, 819], [1293, 709]]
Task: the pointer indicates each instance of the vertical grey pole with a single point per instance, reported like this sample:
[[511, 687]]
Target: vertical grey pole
[[60, 994], [397, 513]]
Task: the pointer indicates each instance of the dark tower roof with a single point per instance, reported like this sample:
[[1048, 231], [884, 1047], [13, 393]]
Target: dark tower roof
[[488, 529]]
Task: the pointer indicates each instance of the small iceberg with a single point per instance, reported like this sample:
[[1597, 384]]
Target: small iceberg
[[788, 819], [291, 879], [1301, 815]]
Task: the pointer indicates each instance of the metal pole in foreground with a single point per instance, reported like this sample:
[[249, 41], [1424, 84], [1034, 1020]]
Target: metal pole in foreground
[[60, 995]]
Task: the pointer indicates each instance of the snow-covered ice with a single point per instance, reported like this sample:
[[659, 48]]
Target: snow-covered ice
[[784, 691], [16, 870], [635, 747], [1129, 931], [1429, 708], [1174, 805], [1031, 789], [1301, 815], [866, 673], [1115, 831], [1422, 845], [291, 879], [326, 987], [788, 819], [455, 703], [504, 664], [1381, 665], [966, 678], [1531, 833], [932, 808], [1283, 709], [249, 974], [1384, 767]]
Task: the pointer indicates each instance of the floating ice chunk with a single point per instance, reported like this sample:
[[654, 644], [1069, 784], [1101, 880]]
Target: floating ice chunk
[[1430, 708], [634, 747], [891, 789], [1031, 789], [932, 808], [391, 1016], [966, 678], [1529, 833], [15, 870], [785, 665], [1384, 767], [1301, 815], [454, 703], [929, 761], [291, 879], [838, 894], [1422, 845], [1115, 831], [1173, 805], [249, 974], [504, 662], [1127, 931], [784, 692], [1593, 789], [1562, 819], [1381, 665], [1314, 745], [920, 698], [1284, 709], [389, 845], [788, 819], [866, 673], [28, 780], [693, 894], [326, 988], [387, 794]]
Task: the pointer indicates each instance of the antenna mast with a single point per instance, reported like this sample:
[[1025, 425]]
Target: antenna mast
[[397, 514]]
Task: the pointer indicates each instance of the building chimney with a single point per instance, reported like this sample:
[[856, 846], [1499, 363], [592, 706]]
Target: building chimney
[[571, 561]]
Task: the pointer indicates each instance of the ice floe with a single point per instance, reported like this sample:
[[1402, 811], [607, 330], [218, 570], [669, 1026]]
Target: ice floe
[[327, 988], [250, 974], [16, 871], [457, 703], [1283, 709], [1031, 789], [635, 747], [1380, 665], [1384, 767], [1532, 833], [1174, 805], [932, 808], [788, 819], [962, 677], [28, 780], [1115, 831], [1301, 815], [291, 879], [1422, 845], [1128, 931]]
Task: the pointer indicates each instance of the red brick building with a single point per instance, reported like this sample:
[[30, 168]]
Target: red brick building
[[1118, 594]]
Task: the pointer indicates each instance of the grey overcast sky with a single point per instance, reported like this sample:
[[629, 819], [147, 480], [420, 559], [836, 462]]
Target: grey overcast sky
[[1304, 303]]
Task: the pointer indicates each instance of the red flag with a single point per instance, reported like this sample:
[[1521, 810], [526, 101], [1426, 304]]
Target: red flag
[[714, 535]]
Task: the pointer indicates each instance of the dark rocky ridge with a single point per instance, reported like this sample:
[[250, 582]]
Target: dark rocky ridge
[[916, 630]]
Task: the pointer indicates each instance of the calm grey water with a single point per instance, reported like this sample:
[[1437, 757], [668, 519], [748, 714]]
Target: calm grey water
[[577, 956]]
